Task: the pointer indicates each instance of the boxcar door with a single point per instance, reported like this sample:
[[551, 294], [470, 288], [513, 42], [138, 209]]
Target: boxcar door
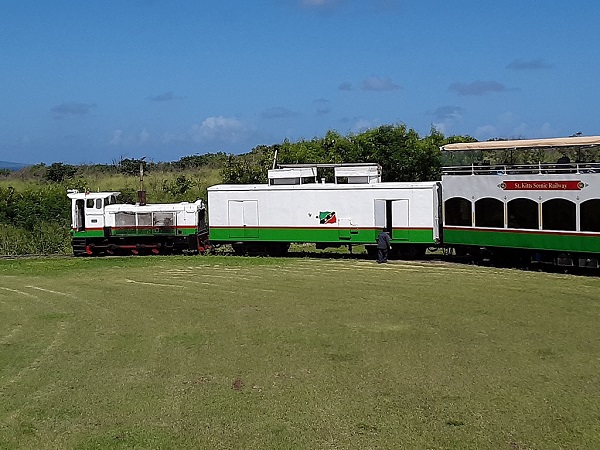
[[400, 222], [383, 215], [251, 218], [380, 214], [243, 219]]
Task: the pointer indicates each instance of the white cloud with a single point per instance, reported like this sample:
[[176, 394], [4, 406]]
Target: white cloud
[[123, 139], [441, 127], [520, 130], [219, 128], [144, 136], [117, 137], [485, 132], [446, 118], [361, 125], [509, 126], [546, 130]]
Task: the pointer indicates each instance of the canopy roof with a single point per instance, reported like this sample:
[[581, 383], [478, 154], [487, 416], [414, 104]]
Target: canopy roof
[[578, 141]]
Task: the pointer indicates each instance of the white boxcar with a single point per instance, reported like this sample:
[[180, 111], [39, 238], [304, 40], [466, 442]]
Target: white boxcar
[[326, 214]]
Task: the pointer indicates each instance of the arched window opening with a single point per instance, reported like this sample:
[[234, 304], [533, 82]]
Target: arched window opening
[[558, 214], [523, 213], [457, 211], [489, 212], [590, 215]]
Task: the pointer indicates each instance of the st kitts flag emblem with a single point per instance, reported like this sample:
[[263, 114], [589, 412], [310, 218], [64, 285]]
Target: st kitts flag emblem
[[327, 217]]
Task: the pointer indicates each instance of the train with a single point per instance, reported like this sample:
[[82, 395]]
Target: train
[[546, 213]]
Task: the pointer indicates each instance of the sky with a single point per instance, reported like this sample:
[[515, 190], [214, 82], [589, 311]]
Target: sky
[[97, 81]]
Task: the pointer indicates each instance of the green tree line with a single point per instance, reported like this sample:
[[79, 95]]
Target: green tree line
[[401, 152]]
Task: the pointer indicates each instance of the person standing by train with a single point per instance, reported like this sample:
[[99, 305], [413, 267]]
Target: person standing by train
[[383, 245]]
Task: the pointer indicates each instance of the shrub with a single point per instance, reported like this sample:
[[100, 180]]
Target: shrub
[[51, 238], [15, 241]]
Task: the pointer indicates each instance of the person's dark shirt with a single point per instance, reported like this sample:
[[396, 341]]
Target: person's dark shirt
[[383, 240]]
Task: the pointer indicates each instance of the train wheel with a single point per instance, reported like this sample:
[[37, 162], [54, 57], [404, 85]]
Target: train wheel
[[371, 251], [239, 249], [410, 251], [277, 249]]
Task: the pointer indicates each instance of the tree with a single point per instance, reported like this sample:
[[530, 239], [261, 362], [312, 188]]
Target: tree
[[59, 172], [129, 166], [239, 171], [402, 155], [179, 186]]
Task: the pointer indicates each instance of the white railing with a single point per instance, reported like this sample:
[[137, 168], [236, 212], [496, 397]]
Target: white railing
[[517, 169]]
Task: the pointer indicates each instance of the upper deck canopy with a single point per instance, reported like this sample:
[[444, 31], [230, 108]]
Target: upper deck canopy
[[578, 141]]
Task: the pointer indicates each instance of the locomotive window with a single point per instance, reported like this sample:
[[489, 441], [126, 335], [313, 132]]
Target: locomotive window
[[125, 219], [163, 219], [457, 211], [489, 212], [89, 203], [590, 215], [523, 213], [558, 214], [144, 219]]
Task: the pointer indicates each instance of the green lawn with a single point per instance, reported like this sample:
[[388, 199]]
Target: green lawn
[[230, 352]]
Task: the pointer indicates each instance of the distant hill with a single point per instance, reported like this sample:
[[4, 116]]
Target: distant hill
[[11, 165]]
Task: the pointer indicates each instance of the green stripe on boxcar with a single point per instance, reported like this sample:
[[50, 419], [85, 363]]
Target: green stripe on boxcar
[[329, 234]]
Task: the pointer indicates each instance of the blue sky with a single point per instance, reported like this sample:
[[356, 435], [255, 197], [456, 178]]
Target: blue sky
[[95, 81]]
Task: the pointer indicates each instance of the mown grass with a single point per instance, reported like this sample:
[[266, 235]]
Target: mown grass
[[229, 352]]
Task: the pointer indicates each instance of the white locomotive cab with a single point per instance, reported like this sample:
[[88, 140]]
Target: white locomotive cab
[[87, 208]]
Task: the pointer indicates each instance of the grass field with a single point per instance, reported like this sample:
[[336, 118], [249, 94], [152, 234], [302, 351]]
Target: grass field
[[296, 353]]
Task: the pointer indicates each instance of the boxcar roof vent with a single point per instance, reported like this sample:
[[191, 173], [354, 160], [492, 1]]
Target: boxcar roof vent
[[358, 174], [293, 175], [349, 173]]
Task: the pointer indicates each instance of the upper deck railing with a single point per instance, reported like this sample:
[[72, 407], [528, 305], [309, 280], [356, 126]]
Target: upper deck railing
[[575, 144], [522, 169]]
